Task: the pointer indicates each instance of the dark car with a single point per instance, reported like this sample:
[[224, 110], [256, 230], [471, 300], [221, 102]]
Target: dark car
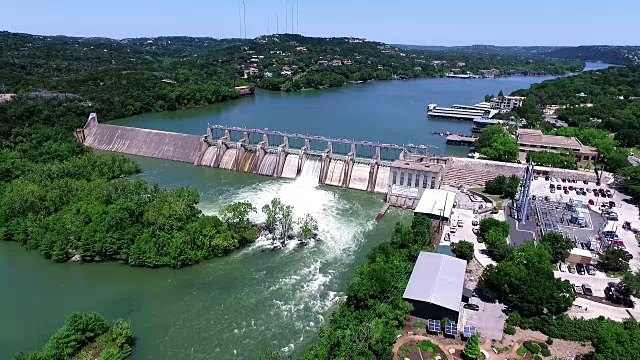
[[580, 269], [566, 191], [558, 187], [610, 234], [586, 182], [586, 289], [473, 307], [590, 270], [546, 178], [612, 204], [628, 255], [571, 187], [564, 180]]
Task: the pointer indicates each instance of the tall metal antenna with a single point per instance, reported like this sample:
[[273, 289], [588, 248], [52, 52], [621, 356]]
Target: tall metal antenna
[[244, 9], [293, 32], [240, 17], [268, 26], [277, 25], [286, 16], [298, 16]]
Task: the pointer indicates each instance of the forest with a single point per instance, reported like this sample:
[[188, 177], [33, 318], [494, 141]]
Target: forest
[[60, 198]]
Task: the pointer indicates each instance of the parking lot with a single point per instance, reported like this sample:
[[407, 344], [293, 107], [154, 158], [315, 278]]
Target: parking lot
[[489, 319]]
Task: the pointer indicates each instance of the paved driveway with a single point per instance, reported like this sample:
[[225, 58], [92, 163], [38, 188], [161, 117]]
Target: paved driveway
[[489, 320], [597, 282]]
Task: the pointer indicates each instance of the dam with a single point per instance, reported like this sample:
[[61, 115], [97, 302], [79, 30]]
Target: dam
[[359, 165], [401, 173]]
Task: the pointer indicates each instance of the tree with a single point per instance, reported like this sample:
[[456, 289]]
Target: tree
[[496, 186], [500, 93], [511, 282], [614, 260], [631, 281], [616, 161], [503, 148], [628, 137], [487, 136], [286, 221], [563, 160], [308, 227], [488, 224], [472, 348], [557, 245], [237, 213], [463, 250], [511, 187], [272, 210]]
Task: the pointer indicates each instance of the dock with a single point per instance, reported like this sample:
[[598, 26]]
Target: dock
[[461, 140]]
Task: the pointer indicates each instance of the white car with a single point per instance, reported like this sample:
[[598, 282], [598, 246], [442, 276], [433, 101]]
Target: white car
[[562, 267], [460, 223], [577, 288]]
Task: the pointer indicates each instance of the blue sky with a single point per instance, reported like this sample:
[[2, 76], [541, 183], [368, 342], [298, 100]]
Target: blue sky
[[423, 22]]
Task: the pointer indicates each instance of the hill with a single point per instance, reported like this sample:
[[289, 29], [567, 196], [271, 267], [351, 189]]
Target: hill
[[618, 55]]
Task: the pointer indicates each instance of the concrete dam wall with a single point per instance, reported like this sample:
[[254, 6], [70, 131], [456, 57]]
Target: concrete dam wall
[[142, 142], [326, 169]]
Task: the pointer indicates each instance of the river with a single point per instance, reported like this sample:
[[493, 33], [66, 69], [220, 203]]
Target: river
[[235, 307]]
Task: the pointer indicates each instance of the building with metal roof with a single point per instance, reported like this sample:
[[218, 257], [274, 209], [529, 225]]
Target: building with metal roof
[[435, 286], [436, 204]]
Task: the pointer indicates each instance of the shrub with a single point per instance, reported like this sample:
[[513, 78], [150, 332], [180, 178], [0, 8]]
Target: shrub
[[405, 349], [510, 329], [426, 345], [549, 340], [537, 357], [543, 345], [532, 346], [522, 351], [419, 324], [545, 352]]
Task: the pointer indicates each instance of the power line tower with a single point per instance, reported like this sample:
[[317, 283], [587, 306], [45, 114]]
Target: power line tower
[[524, 193]]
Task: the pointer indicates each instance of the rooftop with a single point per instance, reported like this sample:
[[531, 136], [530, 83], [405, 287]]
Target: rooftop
[[437, 279], [436, 202], [417, 165], [536, 137]]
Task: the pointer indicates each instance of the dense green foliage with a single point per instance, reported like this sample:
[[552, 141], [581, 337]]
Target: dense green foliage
[[118, 78], [556, 245], [495, 233], [563, 160], [463, 250], [497, 144], [81, 329], [613, 260], [631, 283], [165, 73], [58, 197], [366, 324], [524, 281], [610, 339], [503, 186], [472, 348]]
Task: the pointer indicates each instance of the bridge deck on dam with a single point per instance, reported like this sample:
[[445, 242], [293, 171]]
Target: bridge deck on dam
[[144, 142]]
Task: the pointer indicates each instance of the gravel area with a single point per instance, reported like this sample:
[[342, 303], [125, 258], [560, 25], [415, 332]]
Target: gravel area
[[559, 348]]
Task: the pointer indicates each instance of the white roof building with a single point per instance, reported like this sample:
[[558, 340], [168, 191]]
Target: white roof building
[[436, 203]]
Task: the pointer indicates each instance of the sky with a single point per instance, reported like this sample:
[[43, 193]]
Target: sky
[[419, 22]]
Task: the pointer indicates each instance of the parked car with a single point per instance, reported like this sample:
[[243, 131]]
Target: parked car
[[546, 178], [612, 216], [618, 243], [571, 268], [577, 288], [453, 230], [591, 202], [570, 187], [610, 234], [586, 182], [558, 187], [580, 269], [628, 255], [612, 204], [460, 223], [586, 289], [474, 222], [475, 231], [566, 192], [562, 267], [552, 190], [564, 180], [473, 307], [590, 270]]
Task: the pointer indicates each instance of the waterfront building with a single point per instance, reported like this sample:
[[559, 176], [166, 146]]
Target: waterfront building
[[409, 178], [481, 123], [506, 103], [462, 112], [243, 90], [534, 140]]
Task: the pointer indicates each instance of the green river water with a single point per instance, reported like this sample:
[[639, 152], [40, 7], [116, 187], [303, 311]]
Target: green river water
[[255, 299]]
